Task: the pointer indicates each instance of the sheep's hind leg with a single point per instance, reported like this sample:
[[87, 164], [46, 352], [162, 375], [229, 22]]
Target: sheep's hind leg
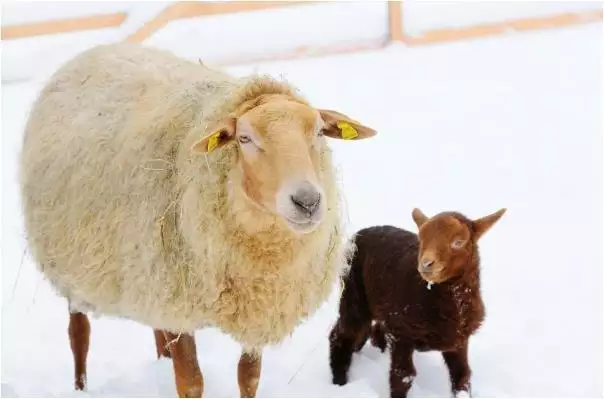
[[459, 371], [189, 380], [248, 372], [79, 339], [161, 344]]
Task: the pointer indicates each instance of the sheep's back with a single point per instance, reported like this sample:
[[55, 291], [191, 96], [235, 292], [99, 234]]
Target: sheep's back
[[97, 169]]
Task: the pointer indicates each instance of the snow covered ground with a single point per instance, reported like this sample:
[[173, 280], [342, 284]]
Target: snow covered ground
[[503, 122]]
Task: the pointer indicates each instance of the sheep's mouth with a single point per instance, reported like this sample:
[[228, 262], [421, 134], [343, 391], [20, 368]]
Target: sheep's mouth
[[302, 227]]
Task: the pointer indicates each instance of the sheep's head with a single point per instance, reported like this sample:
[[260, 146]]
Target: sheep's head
[[279, 142], [448, 242]]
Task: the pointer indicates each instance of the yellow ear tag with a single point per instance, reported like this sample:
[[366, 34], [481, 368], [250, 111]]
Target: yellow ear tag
[[348, 132], [213, 141]]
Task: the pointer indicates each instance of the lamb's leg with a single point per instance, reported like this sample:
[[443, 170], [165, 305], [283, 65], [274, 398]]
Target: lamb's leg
[[161, 344], [362, 338], [343, 341], [248, 372], [402, 371], [459, 370], [79, 338], [351, 330], [189, 380], [378, 336]]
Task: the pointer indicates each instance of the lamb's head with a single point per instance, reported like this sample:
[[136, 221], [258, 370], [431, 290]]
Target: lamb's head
[[279, 141], [448, 243]]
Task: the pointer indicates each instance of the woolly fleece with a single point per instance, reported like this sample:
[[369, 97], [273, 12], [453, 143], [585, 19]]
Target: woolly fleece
[[125, 220]]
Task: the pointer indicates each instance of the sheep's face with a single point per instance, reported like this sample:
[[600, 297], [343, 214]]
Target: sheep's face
[[448, 242], [279, 142]]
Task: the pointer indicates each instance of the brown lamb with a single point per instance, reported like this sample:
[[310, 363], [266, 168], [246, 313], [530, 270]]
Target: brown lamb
[[411, 293]]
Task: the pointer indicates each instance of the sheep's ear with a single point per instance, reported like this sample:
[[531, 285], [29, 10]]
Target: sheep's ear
[[221, 133], [418, 217], [483, 224], [340, 126]]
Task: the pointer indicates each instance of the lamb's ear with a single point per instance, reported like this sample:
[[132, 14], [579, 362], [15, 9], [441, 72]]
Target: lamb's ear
[[483, 224], [340, 126], [221, 133], [418, 217]]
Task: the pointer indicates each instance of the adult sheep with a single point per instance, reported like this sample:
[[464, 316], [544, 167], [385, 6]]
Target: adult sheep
[[161, 191]]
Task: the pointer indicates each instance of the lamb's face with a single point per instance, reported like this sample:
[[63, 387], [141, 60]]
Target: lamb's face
[[279, 142], [445, 248], [448, 242]]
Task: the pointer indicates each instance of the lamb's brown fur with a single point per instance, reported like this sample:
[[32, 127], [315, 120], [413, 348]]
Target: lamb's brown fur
[[126, 219], [387, 285]]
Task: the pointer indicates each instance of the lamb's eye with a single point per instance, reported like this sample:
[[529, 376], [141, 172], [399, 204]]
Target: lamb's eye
[[457, 244], [244, 139], [321, 132]]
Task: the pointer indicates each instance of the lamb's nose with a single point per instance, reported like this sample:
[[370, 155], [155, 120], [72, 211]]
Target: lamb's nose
[[307, 198], [426, 263]]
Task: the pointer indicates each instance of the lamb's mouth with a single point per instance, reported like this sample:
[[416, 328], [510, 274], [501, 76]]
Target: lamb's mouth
[[431, 277]]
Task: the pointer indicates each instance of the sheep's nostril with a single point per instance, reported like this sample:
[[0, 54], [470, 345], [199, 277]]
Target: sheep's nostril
[[306, 199]]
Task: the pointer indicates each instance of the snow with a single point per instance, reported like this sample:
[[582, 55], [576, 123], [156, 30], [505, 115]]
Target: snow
[[472, 126]]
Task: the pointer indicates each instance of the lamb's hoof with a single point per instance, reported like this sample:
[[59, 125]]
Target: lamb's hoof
[[397, 394], [340, 380]]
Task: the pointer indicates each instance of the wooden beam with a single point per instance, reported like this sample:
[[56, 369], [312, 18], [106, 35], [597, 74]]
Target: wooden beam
[[171, 12], [63, 26], [191, 9], [498, 28], [395, 18]]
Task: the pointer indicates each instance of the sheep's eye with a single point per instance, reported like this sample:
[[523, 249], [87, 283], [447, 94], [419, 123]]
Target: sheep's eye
[[244, 139], [457, 244], [321, 132]]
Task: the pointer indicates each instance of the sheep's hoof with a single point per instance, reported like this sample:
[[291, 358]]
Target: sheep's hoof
[[192, 392], [80, 383]]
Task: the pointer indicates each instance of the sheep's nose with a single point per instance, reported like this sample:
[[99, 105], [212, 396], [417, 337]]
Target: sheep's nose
[[307, 198], [426, 264]]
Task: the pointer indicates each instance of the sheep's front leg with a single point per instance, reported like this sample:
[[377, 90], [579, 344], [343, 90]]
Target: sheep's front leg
[[161, 344], [402, 370], [79, 339], [248, 372], [189, 380], [459, 370]]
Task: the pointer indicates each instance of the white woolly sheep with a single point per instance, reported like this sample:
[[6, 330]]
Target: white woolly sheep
[[159, 190]]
